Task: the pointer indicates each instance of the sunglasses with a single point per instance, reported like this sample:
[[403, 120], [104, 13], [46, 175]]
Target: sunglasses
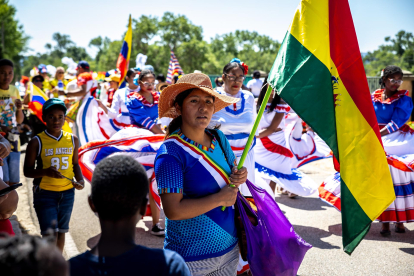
[[234, 78], [148, 84], [37, 81], [399, 82]]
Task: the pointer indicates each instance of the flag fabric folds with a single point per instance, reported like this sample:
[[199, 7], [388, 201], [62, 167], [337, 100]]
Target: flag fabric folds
[[123, 59], [319, 73], [173, 68], [93, 123], [37, 99], [141, 144]]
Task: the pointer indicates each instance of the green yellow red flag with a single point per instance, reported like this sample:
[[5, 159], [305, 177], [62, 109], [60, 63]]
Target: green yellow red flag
[[319, 73]]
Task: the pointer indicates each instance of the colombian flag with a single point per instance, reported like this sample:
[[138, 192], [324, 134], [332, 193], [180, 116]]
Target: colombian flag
[[319, 73], [38, 98], [123, 60]]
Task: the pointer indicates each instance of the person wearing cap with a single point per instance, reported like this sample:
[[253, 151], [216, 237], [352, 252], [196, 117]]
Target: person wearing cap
[[255, 85], [194, 167], [113, 87], [56, 153], [86, 84]]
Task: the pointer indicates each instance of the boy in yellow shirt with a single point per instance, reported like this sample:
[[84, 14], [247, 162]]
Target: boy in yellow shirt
[[56, 153]]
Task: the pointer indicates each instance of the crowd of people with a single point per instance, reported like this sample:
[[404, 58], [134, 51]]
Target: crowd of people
[[192, 172]]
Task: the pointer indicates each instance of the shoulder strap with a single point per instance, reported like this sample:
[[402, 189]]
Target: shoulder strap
[[215, 132]]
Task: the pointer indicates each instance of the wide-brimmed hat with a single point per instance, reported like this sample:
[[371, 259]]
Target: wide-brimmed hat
[[113, 77], [190, 81], [161, 86]]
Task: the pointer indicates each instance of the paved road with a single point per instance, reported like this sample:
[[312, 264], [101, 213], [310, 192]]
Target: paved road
[[318, 223]]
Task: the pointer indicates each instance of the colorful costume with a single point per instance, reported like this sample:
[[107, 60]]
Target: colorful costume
[[119, 111], [183, 166], [274, 160], [143, 113], [306, 147], [391, 113], [236, 122]]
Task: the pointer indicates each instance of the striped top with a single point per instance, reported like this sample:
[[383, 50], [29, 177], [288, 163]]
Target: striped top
[[183, 166]]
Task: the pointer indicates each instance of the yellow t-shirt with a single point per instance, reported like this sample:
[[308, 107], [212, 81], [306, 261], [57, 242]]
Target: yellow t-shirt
[[8, 111], [54, 83], [57, 152]]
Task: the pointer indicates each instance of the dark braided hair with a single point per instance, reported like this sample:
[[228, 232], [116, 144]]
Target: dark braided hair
[[178, 121], [275, 101], [389, 71], [30, 255]]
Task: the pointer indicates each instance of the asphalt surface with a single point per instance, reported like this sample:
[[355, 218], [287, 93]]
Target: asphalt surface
[[315, 221]]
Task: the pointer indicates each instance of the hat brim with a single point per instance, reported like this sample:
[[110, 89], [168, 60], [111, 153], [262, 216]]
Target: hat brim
[[168, 95]]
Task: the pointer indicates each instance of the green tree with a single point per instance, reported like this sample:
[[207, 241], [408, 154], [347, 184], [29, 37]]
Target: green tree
[[13, 41], [399, 51], [62, 46]]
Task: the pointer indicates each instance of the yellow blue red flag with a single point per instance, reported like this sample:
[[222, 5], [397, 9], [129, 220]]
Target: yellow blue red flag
[[38, 98], [123, 60]]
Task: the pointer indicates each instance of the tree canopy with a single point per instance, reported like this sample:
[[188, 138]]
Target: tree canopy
[[155, 36], [398, 51]]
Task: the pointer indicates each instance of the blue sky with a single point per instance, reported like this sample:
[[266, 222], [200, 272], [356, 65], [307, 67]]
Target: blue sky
[[84, 20]]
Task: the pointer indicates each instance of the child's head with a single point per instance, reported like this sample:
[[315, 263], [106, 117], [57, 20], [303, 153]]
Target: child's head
[[119, 188], [53, 114], [31, 255], [6, 72]]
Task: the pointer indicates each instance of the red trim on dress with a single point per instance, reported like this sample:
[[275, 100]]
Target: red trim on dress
[[275, 148], [397, 216], [329, 197], [377, 96], [138, 96]]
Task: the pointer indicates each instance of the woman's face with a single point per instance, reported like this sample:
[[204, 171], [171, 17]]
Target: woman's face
[[197, 109], [113, 84], [233, 80], [393, 82], [60, 74], [147, 83], [130, 79]]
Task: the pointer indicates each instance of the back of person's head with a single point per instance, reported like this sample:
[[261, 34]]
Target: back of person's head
[[6, 62], [161, 78], [256, 74], [31, 255], [119, 187]]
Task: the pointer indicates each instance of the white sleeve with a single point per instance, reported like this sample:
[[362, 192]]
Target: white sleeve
[[249, 84], [116, 105]]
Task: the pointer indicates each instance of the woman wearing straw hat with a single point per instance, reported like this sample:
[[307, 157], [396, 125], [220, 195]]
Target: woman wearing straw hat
[[193, 168]]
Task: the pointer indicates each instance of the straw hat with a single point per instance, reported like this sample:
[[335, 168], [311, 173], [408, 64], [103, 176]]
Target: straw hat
[[190, 81], [161, 86]]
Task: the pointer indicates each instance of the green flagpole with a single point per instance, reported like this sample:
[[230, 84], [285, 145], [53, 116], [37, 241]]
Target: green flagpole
[[253, 133]]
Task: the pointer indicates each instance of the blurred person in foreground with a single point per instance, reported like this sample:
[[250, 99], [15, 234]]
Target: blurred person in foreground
[[119, 190], [11, 114], [31, 255]]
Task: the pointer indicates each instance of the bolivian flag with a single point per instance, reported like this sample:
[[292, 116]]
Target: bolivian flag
[[319, 73], [37, 99]]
